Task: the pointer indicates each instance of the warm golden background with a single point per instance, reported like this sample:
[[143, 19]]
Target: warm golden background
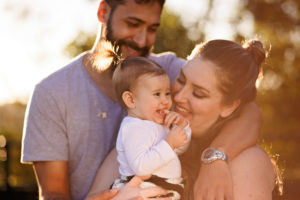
[[38, 37]]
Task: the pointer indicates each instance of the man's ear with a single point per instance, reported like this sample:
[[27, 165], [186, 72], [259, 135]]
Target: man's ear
[[229, 109], [103, 11], [128, 99]]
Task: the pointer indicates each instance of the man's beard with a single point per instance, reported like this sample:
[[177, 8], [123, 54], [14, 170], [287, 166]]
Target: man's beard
[[144, 51], [109, 51]]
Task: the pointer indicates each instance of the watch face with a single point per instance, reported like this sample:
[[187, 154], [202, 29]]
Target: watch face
[[209, 154]]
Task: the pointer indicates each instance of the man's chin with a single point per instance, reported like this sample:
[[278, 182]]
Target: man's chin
[[135, 55], [127, 51]]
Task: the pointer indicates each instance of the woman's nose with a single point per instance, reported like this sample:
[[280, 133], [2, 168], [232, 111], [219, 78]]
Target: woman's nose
[[181, 94]]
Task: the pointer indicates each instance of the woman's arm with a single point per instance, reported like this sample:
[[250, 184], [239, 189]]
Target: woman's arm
[[241, 133]]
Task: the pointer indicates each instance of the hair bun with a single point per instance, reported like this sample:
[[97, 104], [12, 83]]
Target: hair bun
[[256, 50]]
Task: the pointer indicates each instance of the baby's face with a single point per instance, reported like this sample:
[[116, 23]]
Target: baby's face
[[152, 97]]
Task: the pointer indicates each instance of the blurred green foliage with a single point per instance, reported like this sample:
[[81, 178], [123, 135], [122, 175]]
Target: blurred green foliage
[[277, 24], [18, 176]]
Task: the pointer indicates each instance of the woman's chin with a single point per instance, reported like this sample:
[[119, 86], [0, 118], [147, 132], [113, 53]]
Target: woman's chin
[[198, 132]]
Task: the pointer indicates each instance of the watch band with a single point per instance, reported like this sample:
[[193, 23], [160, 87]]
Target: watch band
[[210, 155]]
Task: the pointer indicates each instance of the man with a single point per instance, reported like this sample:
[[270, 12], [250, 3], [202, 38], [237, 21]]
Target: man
[[72, 118]]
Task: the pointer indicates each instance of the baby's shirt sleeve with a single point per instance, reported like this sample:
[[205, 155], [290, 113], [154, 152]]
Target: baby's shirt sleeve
[[182, 149], [143, 152]]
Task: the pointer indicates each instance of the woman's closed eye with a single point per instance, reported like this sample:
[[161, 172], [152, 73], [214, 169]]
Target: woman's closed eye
[[199, 95], [181, 80]]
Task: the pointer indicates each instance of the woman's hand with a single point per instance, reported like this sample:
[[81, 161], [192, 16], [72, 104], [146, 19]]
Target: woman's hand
[[214, 182]]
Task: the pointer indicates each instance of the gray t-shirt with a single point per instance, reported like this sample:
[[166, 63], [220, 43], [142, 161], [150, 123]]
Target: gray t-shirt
[[69, 119]]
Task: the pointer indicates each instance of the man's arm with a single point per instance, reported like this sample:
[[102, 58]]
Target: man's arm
[[240, 133], [214, 179], [107, 173], [53, 180]]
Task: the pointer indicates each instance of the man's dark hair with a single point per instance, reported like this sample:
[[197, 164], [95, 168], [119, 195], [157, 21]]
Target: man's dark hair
[[114, 3]]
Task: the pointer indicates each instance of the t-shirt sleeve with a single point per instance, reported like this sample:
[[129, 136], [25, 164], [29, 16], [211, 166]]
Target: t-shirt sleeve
[[143, 155], [44, 133], [170, 62]]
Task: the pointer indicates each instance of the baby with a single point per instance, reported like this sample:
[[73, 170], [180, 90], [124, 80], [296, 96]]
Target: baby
[[151, 136]]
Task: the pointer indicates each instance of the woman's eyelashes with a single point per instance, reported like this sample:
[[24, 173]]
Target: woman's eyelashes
[[181, 80], [199, 95]]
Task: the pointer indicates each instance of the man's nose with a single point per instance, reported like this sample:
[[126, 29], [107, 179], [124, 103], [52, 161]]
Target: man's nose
[[140, 38]]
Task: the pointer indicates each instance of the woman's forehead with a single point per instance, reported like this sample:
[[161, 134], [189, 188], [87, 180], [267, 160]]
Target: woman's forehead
[[200, 72]]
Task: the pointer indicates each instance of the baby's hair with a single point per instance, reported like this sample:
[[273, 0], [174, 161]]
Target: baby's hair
[[129, 70]]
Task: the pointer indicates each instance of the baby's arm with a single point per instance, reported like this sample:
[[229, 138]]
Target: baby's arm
[[175, 119], [143, 152], [177, 137]]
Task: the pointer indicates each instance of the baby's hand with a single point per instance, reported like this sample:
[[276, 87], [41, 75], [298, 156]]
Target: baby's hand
[[176, 137], [174, 118]]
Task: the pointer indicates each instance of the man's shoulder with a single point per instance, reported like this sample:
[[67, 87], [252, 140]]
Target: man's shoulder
[[165, 57], [170, 62], [63, 76]]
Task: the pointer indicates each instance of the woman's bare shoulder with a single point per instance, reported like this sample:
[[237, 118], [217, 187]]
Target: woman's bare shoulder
[[253, 175]]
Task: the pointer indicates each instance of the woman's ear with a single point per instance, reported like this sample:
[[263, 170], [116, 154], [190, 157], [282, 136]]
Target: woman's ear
[[128, 99], [103, 11], [229, 109]]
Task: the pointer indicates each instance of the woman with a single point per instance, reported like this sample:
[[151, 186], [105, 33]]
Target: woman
[[213, 86]]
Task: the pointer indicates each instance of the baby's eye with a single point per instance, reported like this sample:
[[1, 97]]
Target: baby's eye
[[157, 94], [168, 93]]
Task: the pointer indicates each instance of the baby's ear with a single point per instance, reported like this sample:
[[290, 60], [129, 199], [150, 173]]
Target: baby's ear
[[127, 97], [229, 109]]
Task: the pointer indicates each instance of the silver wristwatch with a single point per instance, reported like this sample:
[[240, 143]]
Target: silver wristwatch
[[210, 154]]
